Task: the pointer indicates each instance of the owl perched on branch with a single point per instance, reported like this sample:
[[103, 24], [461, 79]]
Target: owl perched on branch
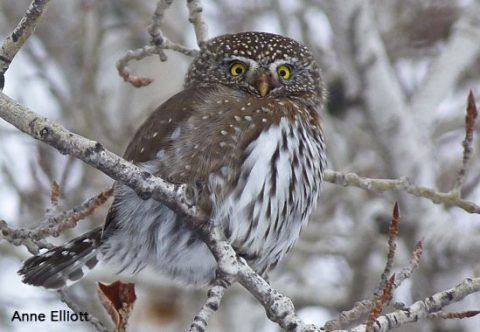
[[245, 130]]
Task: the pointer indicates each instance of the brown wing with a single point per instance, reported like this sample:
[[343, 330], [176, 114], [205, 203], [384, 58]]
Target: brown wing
[[155, 132]]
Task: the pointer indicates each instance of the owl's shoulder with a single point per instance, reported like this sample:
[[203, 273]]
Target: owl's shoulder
[[161, 123]]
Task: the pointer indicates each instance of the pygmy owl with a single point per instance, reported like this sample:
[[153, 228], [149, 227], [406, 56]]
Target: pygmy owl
[[246, 130]]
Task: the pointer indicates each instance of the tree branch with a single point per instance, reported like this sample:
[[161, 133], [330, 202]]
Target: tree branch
[[423, 309], [53, 225], [160, 42], [65, 297], [181, 199], [177, 197], [402, 184], [19, 36]]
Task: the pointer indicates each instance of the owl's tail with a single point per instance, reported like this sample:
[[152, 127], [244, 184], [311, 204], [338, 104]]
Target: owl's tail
[[61, 266]]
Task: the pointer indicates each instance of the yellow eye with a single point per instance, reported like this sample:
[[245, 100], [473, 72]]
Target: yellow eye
[[284, 72], [237, 69]]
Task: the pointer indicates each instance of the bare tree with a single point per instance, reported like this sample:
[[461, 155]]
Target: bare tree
[[399, 75]]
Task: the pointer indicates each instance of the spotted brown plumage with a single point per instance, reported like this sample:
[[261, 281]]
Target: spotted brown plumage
[[246, 131]]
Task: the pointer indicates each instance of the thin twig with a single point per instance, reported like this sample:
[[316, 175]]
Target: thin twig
[[467, 144], [65, 297], [159, 42], [19, 36], [406, 272], [214, 297], [54, 225], [195, 10], [454, 315], [402, 184], [381, 300], [425, 308], [155, 28], [392, 246]]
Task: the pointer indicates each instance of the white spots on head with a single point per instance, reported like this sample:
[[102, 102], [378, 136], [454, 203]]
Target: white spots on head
[[205, 117], [222, 144], [237, 118], [155, 134], [223, 132], [247, 118], [226, 101], [249, 104], [169, 120], [65, 252], [242, 109], [142, 149], [264, 120]]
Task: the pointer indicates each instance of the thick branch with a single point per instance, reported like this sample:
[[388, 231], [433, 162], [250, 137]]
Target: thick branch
[[177, 197], [17, 38]]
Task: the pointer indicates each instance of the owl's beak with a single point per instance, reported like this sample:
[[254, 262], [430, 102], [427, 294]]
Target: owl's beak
[[263, 85]]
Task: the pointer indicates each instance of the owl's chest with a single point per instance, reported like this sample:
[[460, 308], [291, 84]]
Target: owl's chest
[[276, 190]]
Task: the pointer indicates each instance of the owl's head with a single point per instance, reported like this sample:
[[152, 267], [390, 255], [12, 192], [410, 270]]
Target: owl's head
[[261, 64]]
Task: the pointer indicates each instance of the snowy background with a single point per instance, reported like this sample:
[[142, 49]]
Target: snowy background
[[66, 72]]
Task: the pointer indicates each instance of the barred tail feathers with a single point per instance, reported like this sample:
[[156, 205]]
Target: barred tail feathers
[[61, 266]]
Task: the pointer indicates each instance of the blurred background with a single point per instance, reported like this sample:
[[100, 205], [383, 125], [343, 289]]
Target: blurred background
[[398, 72]]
